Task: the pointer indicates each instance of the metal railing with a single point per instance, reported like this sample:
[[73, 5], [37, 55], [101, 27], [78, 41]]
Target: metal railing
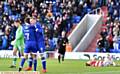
[[96, 11]]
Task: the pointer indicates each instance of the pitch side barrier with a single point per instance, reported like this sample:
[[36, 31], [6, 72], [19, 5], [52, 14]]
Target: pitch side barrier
[[9, 54], [85, 32], [89, 55], [69, 55]]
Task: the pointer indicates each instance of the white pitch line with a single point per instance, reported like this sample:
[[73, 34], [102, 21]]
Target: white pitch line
[[105, 72]]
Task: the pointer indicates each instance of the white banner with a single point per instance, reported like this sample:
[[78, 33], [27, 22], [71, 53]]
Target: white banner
[[89, 55], [69, 55], [6, 54], [9, 54]]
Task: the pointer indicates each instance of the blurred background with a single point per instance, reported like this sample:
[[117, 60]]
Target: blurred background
[[101, 33]]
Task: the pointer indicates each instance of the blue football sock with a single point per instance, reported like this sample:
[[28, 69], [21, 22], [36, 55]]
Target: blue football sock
[[35, 64], [22, 62], [43, 63], [30, 61]]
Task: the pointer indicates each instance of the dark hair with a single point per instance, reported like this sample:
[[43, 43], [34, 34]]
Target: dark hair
[[87, 64], [17, 20], [27, 20]]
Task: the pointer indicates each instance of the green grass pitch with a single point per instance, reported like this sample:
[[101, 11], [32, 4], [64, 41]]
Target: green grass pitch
[[66, 67]]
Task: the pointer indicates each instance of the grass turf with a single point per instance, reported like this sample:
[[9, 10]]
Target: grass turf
[[66, 67]]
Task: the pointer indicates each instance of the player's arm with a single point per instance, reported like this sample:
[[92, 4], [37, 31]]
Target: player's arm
[[67, 42], [58, 43], [39, 28]]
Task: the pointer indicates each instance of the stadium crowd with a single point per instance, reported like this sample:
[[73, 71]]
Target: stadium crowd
[[54, 16], [110, 36]]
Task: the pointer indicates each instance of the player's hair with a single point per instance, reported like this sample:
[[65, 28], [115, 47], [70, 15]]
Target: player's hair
[[87, 64], [27, 19], [18, 20]]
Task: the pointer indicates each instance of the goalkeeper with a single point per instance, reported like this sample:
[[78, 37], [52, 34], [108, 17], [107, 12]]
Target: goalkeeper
[[18, 43]]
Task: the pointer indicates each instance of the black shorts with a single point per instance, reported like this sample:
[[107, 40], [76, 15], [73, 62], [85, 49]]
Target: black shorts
[[62, 50]]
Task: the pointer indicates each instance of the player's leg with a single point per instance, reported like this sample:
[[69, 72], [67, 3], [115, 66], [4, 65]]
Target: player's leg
[[30, 61], [14, 57], [15, 49], [43, 59], [23, 61], [63, 54], [21, 50], [59, 55], [26, 52], [34, 55]]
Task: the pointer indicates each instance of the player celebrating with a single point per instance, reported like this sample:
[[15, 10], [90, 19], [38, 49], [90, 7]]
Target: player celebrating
[[62, 41], [30, 44], [18, 43], [40, 45]]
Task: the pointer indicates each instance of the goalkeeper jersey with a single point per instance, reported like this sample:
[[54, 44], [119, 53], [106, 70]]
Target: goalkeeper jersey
[[19, 37]]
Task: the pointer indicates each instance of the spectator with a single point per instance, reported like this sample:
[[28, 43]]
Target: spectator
[[100, 45], [110, 40], [103, 44], [116, 29], [104, 33], [115, 42], [106, 44], [6, 40], [64, 24], [54, 15], [51, 44]]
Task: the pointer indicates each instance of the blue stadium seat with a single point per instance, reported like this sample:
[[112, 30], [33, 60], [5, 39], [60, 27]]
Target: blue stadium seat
[[88, 10], [114, 51], [98, 50], [76, 19]]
